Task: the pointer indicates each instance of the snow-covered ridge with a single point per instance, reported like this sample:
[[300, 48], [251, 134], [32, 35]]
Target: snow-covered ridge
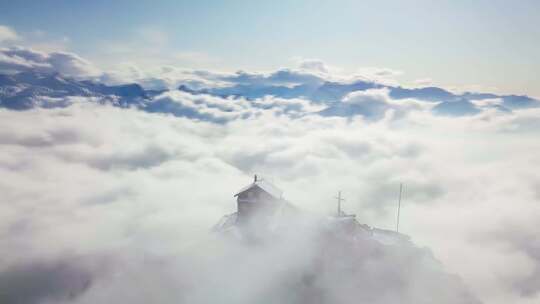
[[27, 90]]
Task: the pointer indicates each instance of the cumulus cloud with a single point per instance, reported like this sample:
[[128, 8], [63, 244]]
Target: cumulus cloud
[[218, 109], [374, 104], [20, 59]]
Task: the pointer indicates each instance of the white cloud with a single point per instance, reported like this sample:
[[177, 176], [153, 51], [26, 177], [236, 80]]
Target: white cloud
[[105, 181], [308, 72], [376, 103], [35, 39], [313, 65], [20, 59], [488, 102], [378, 74], [218, 109], [164, 77], [8, 34], [378, 96]]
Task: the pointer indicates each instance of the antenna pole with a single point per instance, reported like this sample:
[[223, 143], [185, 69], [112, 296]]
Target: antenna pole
[[399, 205], [339, 199], [339, 203]]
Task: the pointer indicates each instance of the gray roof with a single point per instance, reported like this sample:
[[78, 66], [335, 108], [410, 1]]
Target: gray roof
[[265, 186]]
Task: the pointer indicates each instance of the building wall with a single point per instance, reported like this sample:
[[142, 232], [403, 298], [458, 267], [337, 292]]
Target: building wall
[[255, 205]]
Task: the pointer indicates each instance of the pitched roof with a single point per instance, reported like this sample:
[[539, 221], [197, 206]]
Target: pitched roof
[[265, 186]]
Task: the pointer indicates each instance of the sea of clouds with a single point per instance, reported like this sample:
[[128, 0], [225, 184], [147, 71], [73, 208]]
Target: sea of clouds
[[102, 204]]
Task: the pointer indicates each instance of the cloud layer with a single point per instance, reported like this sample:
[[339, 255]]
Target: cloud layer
[[103, 197], [104, 182]]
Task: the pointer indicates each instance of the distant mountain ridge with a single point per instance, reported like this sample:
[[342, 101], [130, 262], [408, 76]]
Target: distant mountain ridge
[[332, 93], [28, 90]]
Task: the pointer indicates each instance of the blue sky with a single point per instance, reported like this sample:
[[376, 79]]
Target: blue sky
[[490, 45]]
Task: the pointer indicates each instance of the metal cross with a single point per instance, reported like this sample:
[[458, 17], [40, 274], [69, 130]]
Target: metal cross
[[339, 200]]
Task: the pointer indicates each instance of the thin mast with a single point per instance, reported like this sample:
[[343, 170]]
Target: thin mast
[[339, 199], [399, 206]]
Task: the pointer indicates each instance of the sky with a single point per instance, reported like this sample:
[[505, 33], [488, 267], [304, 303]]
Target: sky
[[461, 45]]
